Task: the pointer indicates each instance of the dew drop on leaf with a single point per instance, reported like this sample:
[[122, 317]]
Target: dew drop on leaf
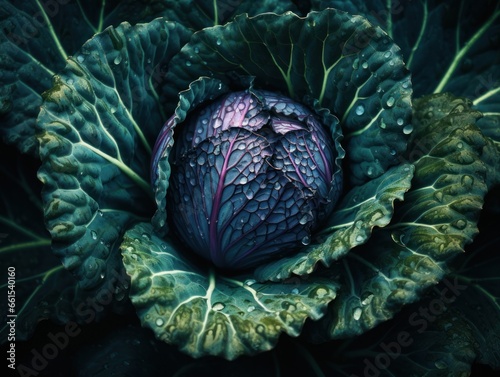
[[440, 364], [159, 322], [408, 129], [360, 110], [250, 282], [218, 306], [356, 314]]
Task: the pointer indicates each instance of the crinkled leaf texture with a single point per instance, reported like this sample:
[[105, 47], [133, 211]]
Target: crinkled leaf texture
[[36, 38], [43, 288], [449, 46], [342, 66], [208, 314], [432, 226], [95, 129]]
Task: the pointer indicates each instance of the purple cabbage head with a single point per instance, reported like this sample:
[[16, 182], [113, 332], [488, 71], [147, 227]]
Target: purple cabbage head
[[253, 175]]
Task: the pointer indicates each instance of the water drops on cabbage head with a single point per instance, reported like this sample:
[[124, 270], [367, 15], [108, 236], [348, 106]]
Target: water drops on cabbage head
[[253, 175]]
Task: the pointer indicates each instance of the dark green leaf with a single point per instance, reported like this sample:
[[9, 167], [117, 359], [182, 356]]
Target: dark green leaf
[[96, 128], [205, 313], [434, 223]]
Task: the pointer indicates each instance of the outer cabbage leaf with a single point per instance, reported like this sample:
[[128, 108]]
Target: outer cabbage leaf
[[36, 38], [350, 67], [208, 314], [451, 331], [43, 288], [458, 56], [434, 223], [95, 131]]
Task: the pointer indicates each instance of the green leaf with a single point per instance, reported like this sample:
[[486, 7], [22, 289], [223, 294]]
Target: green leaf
[[352, 68], [205, 313], [96, 128], [448, 46], [361, 209], [43, 289], [432, 226], [36, 38]]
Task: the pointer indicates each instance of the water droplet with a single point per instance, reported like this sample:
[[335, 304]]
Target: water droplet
[[277, 186], [440, 364], [360, 110], [241, 146], [364, 65], [306, 240], [400, 121], [80, 58], [460, 224], [368, 299], [369, 172], [249, 194], [392, 152], [196, 50], [201, 160], [438, 195], [295, 291], [250, 282], [159, 322], [390, 101], [186, 198], [93, 234], [251, 308], [408, 129], [219, 42], [303, 220], [467, 180], [356, 314], [405, 85], [359, 238], [218, 306], [118, 59], [387, 54], [321, 292], [460, 145], [243, 180], [188, 63], [102, 275]]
